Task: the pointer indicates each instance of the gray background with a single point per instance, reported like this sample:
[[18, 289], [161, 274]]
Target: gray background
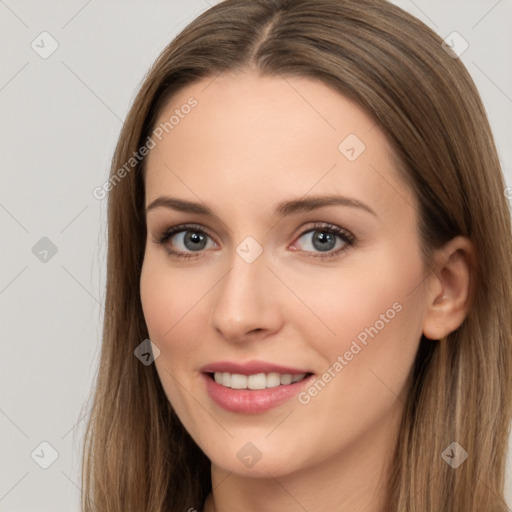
[[60, 118]]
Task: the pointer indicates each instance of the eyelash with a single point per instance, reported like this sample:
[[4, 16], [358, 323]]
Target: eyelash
[[347, 237]]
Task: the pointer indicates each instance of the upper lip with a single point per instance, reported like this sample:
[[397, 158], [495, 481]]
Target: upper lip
[[250, 368]]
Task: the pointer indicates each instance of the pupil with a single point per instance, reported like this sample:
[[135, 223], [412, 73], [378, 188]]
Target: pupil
[[194, 241], [324, 241]]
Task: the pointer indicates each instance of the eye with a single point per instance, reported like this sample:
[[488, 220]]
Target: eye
[[324, 241], [190, 241], [186, 241]]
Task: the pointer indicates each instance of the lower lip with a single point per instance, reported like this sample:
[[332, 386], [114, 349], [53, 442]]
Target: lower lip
[[248, 401]]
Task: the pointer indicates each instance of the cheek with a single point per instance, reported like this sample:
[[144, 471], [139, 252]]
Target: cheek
[[164, 300], [157, 300], [171, 303], [356, 300], [377, 321], [176, 308], [369, 317]]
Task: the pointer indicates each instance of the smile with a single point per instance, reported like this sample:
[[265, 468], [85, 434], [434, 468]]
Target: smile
[[256, 381]]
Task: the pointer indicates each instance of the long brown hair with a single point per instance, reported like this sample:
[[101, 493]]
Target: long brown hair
[[137, 455]]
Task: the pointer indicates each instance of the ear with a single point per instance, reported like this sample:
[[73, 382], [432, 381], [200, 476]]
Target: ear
[[450, 290]]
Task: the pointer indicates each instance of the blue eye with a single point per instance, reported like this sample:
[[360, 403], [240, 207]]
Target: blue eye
[[321, 241], [325, 241], [185, 240], [191, 240]]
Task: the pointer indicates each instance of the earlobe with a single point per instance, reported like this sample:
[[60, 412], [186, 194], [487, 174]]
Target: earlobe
[[449, 299]]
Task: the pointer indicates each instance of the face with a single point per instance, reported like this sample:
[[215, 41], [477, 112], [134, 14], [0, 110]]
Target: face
[[282, 279]]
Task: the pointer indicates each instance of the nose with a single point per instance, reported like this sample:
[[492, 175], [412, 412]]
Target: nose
[[246, 302]]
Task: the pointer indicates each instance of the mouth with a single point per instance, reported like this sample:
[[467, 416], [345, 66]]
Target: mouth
[[256, 381], [252, 387]]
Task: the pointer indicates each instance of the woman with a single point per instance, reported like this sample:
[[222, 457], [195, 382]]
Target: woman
[[307, 220]]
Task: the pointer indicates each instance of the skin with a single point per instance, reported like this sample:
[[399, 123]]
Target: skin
[[250, 143]]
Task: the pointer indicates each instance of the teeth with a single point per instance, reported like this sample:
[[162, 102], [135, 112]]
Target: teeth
[[286, 378], [256, 381], [273, 380], [238, 381]]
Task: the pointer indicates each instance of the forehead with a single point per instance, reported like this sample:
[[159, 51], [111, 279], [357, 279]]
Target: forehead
[[257, 139]]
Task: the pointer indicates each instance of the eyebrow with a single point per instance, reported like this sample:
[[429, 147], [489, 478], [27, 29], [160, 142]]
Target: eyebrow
[[283, 209]]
